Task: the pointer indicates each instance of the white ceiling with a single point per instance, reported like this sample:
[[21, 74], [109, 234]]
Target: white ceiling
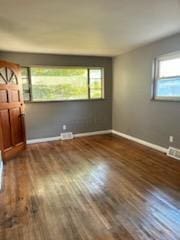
[[85, 27]]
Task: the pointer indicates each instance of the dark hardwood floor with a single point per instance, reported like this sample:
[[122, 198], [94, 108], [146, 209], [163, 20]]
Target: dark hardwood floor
[[90, 188]]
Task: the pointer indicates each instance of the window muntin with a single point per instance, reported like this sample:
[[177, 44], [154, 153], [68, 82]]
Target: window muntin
[[63, 83], [167, 78]]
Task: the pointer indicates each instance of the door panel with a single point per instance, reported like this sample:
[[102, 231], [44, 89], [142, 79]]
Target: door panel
[[6, 128], [16, 125], [14, 95], [12, 127], [3, 96]]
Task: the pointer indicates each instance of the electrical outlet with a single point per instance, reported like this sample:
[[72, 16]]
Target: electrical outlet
[[64, 127], [171, 139]]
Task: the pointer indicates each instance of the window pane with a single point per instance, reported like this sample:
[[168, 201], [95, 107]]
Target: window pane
[[95, 73], [95, 93], [26, 96], [96, 76], [24, 72], [50, 84], [169, 68], [25, 83], [168, 87], [95, 83]]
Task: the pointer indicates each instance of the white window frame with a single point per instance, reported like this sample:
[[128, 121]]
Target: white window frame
[[156, 78]]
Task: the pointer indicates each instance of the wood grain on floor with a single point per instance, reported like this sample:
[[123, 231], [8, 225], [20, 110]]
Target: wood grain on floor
[[90, 188]]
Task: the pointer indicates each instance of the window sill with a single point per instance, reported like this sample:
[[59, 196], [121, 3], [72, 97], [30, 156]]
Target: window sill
[[60, 101], [159, 99]]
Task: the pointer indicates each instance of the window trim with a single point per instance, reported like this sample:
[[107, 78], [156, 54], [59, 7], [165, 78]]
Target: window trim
[[156, 77], [66, 100]]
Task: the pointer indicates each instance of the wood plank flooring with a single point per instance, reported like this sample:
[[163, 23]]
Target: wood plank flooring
[[91, 188]]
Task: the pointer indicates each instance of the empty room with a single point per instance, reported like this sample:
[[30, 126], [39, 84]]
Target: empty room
[[90, 120]]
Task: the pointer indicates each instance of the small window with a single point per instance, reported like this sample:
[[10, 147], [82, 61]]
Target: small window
[[62, 83], [167, 77]]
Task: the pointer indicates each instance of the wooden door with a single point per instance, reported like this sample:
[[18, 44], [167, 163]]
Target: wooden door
[[12, 127]]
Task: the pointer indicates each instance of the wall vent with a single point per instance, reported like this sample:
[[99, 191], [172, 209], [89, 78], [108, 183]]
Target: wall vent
[[66, 136], [174, 153]]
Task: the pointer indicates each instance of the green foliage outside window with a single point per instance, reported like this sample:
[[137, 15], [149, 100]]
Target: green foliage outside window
[[54, 84]]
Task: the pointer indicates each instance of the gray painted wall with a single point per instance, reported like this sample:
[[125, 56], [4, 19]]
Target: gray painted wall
[[46, 119], [134, 112]]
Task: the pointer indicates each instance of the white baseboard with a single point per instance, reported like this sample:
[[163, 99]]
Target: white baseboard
[[148, 144], [93, 133], [40, 140], [1, 173]]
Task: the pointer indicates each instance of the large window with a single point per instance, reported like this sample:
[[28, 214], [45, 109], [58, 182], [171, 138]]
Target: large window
[[167, 77], [62, 83]]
